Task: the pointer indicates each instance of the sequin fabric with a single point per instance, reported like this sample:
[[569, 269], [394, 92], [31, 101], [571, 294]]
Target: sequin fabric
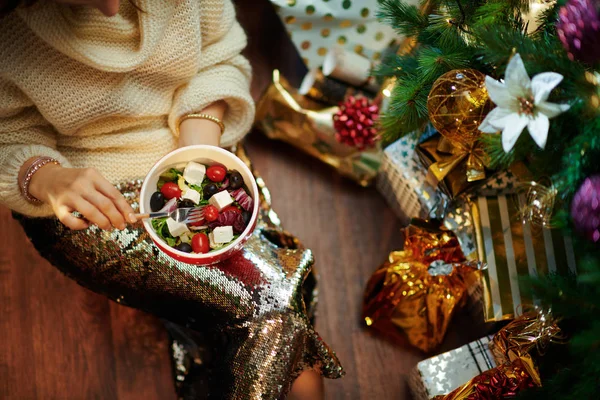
[[249, 308]]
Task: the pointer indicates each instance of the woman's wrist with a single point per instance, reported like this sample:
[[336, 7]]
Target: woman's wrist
[[203, 131], [199, 131], [33, 174]]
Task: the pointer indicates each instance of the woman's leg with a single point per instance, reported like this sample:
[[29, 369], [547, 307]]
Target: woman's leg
[[253, 300]]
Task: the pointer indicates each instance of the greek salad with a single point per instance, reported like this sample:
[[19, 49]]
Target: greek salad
[[220, 195]]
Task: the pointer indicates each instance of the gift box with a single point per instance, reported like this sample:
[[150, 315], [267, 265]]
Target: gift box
[[401, 181], [502, 382], [317, 26], [528, 337], [516, 349], [284, 115], [511, 248], [453, 167], [417, 291], [445, 372]]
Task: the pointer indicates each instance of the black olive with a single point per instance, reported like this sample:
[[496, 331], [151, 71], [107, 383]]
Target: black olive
[[185, 247], [235, 180], [246, 215], [157, 201], [186, 203], [209, 190]]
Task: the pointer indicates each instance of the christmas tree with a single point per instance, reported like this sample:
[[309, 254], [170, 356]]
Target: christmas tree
[[543, 83]]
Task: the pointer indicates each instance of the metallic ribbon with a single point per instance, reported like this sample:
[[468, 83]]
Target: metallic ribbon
[[452, 166], [534, 330], [252, 303], [419, 289], [306, 124], [504, 381]]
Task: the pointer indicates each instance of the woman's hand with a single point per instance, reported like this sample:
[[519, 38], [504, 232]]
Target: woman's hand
[[202, 131], [84, 190]]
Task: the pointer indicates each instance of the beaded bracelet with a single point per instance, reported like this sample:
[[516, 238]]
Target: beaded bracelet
[[33, 168], [202, 116]]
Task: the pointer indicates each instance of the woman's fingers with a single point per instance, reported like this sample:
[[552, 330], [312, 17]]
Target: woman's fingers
[[88, 192], [113, 194], [64, 214], [106, 206], [91, 213]]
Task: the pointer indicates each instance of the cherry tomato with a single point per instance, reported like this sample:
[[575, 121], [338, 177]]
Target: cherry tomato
[[211, 213], [232, 208], [200, 243], [170, 190], [216, 173]]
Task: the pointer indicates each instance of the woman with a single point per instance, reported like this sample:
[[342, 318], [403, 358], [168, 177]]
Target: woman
[[91, 91], [92, 94]]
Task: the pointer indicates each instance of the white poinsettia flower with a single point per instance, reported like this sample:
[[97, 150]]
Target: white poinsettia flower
[[521, 102]]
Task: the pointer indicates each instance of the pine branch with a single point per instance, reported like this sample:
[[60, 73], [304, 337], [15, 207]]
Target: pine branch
[[408, 108], [580, 159], [406, 19], [433, 62], [445, 31], [397, 66]]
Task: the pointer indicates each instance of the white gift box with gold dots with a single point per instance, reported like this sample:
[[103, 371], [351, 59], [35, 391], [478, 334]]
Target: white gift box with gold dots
[[316, 26]]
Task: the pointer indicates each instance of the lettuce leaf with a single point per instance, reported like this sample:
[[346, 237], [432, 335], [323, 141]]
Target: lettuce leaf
[[162, 229]]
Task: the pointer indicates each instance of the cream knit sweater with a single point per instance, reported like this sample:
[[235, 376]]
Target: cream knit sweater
[[107, 92]]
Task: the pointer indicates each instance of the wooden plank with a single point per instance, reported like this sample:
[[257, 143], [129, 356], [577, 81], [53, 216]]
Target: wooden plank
[[142, 365], [17, 360], [63, 341]]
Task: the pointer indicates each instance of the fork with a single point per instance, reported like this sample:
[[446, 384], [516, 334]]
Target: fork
[[187, 215]]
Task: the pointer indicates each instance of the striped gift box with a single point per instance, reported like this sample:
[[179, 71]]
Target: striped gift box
[[511, 249], [443, 373]]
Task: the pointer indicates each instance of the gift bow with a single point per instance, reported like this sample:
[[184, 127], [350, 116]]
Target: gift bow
[[502, 382], [535, 329], [476, 159]]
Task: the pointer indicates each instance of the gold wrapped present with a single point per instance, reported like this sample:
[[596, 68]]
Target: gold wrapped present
[[453, 167], [511, 249], [526, 337], [284, 115], [418, 289]]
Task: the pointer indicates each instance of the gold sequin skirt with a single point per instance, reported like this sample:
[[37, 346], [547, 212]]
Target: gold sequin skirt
[[252, 303]]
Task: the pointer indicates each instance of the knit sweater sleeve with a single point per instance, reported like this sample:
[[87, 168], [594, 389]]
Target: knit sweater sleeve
[[223, 75], [24, 134]]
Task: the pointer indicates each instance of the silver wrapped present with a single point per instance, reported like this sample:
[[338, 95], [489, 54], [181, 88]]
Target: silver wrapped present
[[402, 182], [445, 372]]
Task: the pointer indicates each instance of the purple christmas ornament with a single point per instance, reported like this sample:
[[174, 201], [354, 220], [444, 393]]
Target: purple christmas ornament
[[585, 208], [578, 28]]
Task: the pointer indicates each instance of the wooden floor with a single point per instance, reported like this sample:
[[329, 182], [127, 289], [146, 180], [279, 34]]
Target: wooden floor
[[60, 341]]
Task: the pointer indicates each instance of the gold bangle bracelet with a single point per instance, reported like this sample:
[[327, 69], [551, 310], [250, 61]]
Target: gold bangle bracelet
[[202, 116]]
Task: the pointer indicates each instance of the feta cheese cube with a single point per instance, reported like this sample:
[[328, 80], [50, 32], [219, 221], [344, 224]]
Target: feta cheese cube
[[221, 200], [176, 228], [192, 195], [211, 242], [194, 173], [223, 234]]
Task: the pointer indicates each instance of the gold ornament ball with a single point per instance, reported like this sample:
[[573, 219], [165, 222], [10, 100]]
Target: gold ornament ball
[[457, 104]]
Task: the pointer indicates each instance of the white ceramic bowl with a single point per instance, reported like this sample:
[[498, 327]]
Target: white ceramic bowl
[[208, 155]]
